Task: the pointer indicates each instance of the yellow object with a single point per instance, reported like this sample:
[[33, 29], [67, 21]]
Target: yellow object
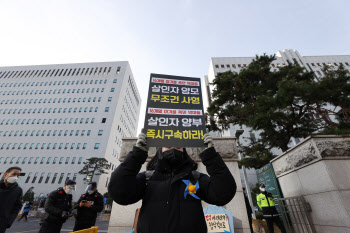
[[89, 230], [191, 188], [264, 201]]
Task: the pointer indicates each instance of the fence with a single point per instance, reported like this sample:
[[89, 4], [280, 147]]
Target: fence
[[90, 230], [296, 215]]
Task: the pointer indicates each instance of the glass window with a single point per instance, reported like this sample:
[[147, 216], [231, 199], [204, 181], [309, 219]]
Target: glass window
[[80, 159], [24, 160], [73, 160], [97, 145], [41, 177], [78, 145], [75, 176], [54, 178], [48, 160], [61, 178], [35, 176], [100, 132], [109, 99], [42, 160], [107, 109], [36, 160], [54, 160], [67, 159], [48, 177], [28, 177]]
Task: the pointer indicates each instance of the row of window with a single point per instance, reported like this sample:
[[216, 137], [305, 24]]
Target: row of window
[[37, 160], [59, 146], [47, 180], [48, 133], [47, 121], [57, 72], [54, 83], [283, 64], [48, 110], [53, 100], [55, 91]]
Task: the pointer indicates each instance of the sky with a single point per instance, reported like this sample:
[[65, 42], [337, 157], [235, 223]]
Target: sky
[[167, 37]]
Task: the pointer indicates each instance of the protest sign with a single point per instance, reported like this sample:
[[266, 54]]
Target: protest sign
[[174, 112], [218, 219]]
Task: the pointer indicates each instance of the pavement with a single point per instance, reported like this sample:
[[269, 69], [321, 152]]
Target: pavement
[[32, 225]]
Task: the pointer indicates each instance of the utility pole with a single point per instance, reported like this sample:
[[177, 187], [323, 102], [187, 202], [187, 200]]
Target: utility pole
[[247, 188]]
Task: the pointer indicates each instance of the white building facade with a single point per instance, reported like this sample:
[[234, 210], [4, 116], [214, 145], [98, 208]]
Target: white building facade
[[236, 64], [54, 117]]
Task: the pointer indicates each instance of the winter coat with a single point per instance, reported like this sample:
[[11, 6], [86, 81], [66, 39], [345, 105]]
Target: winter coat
[[11, 204], [57, 202], [27, 208], [164, 206], [89, 214]]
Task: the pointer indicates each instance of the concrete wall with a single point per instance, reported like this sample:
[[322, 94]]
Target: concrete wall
[[122, 217], [319, 170]]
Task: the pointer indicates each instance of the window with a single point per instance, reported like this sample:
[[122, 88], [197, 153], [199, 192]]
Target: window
[[100, 132], [114, 80], [24, 160], [107, 109], [73, 160], [104, 120], [36, 160], [48, 177], [80, 159], [35, 176], [75, 176], [61, 178], [97, 145], [54, 160], [54, 178], [88, 132], [41, 177], [28, 177], [84, 145], [112, 89], [42, 160], [48, 160], [109, 99], [67, 159], [78, 145]]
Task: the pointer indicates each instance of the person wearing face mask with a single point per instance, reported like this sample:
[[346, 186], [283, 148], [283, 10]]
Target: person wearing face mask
[[171, 189], [88, 205], [266, 203], [10, 197], [58, 206]]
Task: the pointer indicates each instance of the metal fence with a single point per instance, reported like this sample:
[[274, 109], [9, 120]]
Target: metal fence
[[296, 215]]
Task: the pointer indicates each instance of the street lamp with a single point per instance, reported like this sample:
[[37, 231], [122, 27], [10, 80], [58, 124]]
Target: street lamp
[[238, 134]]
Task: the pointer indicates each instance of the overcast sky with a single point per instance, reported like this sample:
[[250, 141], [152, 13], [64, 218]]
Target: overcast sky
[[168, 37]]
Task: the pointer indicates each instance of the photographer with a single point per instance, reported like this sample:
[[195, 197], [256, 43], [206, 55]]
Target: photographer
[[88, 205]]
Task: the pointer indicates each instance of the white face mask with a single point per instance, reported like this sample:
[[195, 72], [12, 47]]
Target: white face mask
[[12, 179], [68, 191], [90, 192], [262, 189]]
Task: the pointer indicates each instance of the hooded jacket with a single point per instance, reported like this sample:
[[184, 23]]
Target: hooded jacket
[[11, 204], [164, 206]]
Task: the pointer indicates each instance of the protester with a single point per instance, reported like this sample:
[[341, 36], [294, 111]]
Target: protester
[[26, 210], [171, 190], [249, 210], [10, 198], [58, 206], [266, 202], [88, 205]]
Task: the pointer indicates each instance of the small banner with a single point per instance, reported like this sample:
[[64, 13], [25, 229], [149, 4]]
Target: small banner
[[174, 113], [217, 223]]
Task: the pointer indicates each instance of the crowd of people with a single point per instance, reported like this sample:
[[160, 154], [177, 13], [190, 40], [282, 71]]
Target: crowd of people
[[171, 190]]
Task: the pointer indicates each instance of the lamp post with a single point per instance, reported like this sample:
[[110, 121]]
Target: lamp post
[[238, 134]]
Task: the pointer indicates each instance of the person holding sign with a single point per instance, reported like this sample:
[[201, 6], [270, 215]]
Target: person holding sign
[[171, 189]]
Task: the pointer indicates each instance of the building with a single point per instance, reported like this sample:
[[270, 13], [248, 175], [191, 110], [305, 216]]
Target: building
[[54, 117], [236, 64]]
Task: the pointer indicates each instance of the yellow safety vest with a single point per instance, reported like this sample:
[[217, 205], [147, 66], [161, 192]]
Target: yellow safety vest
[[264, 201]]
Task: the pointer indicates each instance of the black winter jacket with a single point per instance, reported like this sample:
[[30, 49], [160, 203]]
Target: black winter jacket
[[89, 214], [11, 204], [164, 207], [57, 202]]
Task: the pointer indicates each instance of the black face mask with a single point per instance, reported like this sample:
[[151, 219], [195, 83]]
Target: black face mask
[[174, 157]]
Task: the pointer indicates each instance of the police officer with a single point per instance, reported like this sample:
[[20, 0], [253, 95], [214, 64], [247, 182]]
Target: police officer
[[58, 206], [266, 202], [88, 205]]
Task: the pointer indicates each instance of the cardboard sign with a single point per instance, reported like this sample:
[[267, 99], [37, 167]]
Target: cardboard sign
[[174, 113], [217, 223]]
